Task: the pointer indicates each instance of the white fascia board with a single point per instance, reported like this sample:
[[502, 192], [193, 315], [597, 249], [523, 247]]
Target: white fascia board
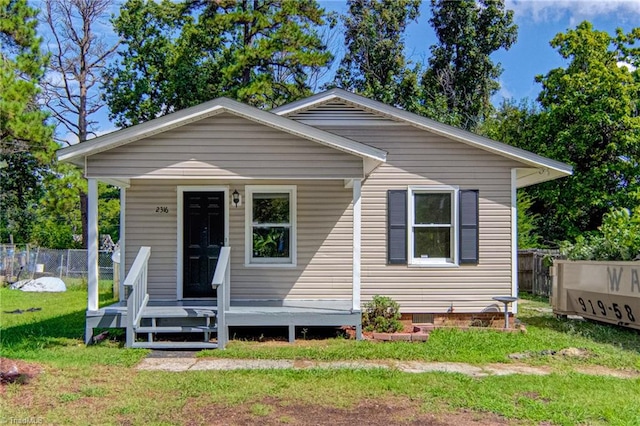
[[209, 109], [425, 123]]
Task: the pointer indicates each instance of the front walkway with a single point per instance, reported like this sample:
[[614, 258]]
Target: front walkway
[[187, 363]]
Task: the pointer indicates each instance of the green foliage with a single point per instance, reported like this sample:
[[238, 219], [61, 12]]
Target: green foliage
[[109, 211], [381, 314], [618, 238], [527, 223], [374, 64], [181, 54], [51, 233], [20, 189], [589, 119], [22, 126], [26, 146], [461, 77]]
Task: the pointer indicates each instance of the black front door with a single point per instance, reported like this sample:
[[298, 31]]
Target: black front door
[[203, 237]]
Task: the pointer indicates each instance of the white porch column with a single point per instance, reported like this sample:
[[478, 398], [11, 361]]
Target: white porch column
[[357, 244], [92, 245], [123, 208], [514, 239]]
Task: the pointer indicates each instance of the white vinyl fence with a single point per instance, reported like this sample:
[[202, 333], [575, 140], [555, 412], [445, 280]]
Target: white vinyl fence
[[25, 262]]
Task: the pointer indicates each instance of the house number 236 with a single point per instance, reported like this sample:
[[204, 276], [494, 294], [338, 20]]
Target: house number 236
[[162, 209]]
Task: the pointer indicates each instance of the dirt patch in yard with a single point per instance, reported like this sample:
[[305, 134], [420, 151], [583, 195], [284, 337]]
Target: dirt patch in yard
[[16, 371], [395, 411]]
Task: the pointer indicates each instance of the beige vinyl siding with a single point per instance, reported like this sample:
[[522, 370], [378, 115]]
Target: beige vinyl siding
[[324, 240], [224, 146], [417, 157]]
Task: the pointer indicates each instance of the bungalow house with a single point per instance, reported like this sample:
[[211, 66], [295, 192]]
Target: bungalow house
[[234, 216]]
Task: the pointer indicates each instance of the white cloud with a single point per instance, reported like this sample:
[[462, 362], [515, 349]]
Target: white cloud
[[575, 10], [503, 92]]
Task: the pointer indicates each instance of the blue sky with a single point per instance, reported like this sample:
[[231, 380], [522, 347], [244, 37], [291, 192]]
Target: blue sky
[[538, 22]]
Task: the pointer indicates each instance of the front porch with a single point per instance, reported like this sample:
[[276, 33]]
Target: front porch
[[193, 316], [149, 318]]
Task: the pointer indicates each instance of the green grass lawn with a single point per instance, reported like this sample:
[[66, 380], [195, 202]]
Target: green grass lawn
[[97, 384]]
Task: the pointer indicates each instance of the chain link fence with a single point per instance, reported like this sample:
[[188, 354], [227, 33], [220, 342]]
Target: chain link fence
[[26, 262]]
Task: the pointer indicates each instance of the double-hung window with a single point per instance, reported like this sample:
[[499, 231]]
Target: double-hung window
[[433, 226], [270, 225], [432, 231]]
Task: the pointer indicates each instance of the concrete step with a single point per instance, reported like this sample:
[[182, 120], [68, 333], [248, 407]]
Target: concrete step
[[178, 329], [175, 345]]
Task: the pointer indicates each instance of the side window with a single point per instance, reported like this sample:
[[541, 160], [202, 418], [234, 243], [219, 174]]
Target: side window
[[433, 224]]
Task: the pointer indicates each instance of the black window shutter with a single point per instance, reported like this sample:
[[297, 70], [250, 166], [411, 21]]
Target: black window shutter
[[469, 238], [397, 223]]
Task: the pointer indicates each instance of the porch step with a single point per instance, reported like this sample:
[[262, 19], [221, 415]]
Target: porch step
[[177, 312], [177, 329], [175, 345]]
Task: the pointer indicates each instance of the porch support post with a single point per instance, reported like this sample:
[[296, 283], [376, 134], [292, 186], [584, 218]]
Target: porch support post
[[92, 245], [357, 241], [514, 239], [123, 210]]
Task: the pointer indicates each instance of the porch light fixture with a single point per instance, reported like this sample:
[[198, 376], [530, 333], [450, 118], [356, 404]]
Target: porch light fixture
[[236, 197]]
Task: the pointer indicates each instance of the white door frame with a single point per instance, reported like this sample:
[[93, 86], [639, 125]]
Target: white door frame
[[181, 189]]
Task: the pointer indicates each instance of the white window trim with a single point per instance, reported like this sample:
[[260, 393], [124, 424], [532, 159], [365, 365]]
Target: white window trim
[[248, 229], [433, 262]]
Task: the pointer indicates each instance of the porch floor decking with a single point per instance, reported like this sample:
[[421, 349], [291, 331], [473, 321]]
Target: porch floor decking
[[289, 313]]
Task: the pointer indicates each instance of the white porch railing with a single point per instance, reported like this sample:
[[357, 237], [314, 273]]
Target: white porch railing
[[136, 286], [221, 282]]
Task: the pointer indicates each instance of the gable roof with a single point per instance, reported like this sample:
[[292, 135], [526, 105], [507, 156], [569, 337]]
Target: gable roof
[[76, 153], [536, 168]]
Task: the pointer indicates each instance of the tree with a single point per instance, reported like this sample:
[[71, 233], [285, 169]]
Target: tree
[[461, 77], [180, 54], [374, 64], [515, 124], [590, 120], [79, 55], [26, 145]]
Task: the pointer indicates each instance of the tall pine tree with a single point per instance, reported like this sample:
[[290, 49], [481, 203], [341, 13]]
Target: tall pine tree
[[374, 64], [461, 77], [26, 144], [180, 54]]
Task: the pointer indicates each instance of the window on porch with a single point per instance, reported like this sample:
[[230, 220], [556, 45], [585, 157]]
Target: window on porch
[[271, 225]]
